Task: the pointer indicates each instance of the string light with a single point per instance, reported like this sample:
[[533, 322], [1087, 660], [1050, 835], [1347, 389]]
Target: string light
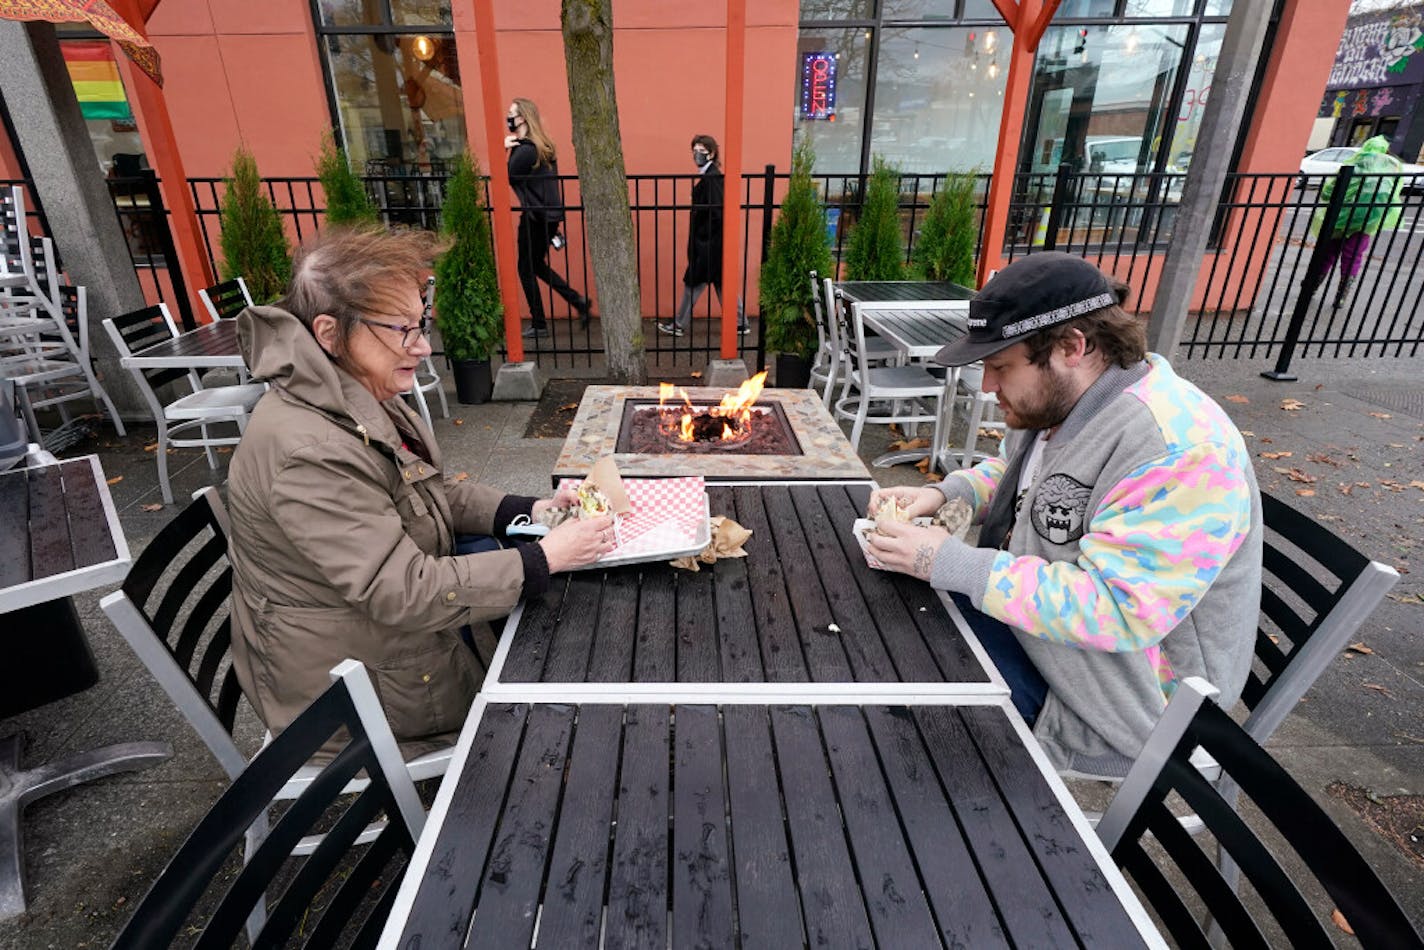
[[994, 69], [423, 47]]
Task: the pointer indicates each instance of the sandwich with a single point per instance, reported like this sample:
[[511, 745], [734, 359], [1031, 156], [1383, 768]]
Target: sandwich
[[592, 503]]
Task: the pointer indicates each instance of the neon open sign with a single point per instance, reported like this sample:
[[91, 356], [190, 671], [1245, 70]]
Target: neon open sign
[[818, 86]]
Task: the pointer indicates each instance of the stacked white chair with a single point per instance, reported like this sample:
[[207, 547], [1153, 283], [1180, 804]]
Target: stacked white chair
[[427, 379], [44, 332]]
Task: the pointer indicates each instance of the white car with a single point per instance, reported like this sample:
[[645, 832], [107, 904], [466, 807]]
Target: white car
[[1317, 165]]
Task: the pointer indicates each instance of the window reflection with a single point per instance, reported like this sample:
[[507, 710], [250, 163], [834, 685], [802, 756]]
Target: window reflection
[[1189, 117], [398, 100], [939, 95], [837, 9]]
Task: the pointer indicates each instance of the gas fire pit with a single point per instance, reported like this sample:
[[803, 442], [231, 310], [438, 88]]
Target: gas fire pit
[[774, 435]]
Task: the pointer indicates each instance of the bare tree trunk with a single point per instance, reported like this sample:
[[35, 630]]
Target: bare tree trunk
[[598, 145]]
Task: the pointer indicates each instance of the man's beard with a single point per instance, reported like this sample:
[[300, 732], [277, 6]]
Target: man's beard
[[1047, 407]]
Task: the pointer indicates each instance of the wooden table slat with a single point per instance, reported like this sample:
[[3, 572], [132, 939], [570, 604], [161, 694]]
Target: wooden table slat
[[14, 529], [1084, 893], [655, 649], [824, 870], [572, 913], [50, 548], [637, 890], [962, 907], [90, 539], [781, 656], [698, 659], [766, 891], [825, 656], [514, 875], [894, 895], [701, 870], [858, 634], [736, 623], [1031, 915], [440, 914], [612, 658], [528, 651], [572, 643]]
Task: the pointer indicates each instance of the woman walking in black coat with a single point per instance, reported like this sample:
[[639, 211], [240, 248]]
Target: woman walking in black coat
[[533, 174], [704, 237]]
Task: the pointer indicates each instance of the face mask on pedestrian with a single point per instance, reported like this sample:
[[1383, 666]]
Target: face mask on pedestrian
[[700, 159], [512, 123]]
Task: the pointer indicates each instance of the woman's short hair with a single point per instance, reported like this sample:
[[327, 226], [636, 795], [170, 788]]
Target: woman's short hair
[[350, 273], [1120, 336], [709, 143]]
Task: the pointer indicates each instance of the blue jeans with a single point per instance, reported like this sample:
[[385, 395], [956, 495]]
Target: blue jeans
[[477, 544], [1027, 687]]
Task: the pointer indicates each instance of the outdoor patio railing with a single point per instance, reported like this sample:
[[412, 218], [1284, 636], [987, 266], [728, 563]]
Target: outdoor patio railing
[[1249, 292]]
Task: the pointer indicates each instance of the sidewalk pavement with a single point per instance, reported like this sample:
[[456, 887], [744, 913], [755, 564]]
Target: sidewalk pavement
[[1344, 444]]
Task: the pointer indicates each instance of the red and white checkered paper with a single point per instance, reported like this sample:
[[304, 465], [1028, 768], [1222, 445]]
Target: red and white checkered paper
[[666, 517]]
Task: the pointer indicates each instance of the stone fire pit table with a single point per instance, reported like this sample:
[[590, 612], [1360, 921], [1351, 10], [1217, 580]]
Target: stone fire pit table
[[825, 453]]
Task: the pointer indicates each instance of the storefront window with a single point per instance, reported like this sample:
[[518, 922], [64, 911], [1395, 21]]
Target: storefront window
[[830, 95], [395, 83], [837, 9], [1189, 116], [939, 95], [1102, 95], [1158, 8]]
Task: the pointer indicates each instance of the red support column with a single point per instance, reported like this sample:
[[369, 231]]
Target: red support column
[[1027, 21], [501, 197], [156, 130], [732, 175]]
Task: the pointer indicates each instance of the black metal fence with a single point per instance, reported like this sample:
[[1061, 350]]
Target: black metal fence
[[1258, 297]]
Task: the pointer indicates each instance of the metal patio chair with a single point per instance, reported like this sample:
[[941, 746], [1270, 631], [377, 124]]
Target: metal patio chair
[[199, 409], [910, 394], [1139, 810], [360, 893], [227, 299]]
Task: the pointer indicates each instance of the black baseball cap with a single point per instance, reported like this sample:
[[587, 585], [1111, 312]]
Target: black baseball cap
[[1033, 292]]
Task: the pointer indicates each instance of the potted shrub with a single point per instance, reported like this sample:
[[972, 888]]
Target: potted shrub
[[254, 243], [468, 308], [876, 250], [798, 247], [347, 202], [945, 248]]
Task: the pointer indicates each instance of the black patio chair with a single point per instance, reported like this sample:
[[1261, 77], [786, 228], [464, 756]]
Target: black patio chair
[[361, 890], [1139, 810]]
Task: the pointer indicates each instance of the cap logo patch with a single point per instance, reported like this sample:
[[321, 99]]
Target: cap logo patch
[[1058, 315]]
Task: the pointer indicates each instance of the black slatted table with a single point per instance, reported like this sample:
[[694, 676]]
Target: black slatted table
[[210, 346], [59, 535], [757, 825], [885, 291], [801, 607]]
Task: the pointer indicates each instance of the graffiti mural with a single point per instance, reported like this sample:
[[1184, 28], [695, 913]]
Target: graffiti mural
[[1380, 50]]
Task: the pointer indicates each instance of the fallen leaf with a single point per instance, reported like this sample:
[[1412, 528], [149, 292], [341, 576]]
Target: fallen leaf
[[1276, 455], [154, 507], [1359, 648], [568, 407], [923, 465], [1305, 492], [116, 479], [1382, 415], [151, 447], [1392, 485], [697, 374], [461, 476], [458, 422], [1266, 440], [1247, 434], [1237, 397], [894, 429], [932, 477], [1379, 689], [902, 444], [1417, 484], [222, 450], [1362, 484], [995, 434], [1346, 489], [1296, 475], [1273, 638], [1291, 405], [1320, 459], [1319, 386]]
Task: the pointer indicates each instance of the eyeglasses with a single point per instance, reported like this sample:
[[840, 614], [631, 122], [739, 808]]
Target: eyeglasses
[[408, 333]]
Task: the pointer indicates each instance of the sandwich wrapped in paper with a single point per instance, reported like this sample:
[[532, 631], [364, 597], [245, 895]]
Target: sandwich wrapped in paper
[[600, 493], [954, 516]]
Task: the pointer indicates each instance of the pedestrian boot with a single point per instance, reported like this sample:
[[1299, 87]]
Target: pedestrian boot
[[1343, 291]]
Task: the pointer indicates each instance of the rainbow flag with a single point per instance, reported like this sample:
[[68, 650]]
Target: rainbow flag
[[96, 79]]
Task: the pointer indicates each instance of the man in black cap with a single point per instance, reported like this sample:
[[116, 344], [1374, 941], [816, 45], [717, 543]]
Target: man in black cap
[[1120, 527]]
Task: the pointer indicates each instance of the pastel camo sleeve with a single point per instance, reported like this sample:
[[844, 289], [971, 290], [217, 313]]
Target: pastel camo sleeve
[[1150, 551]]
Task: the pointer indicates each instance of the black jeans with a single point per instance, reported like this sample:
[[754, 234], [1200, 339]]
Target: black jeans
[[534, 266]]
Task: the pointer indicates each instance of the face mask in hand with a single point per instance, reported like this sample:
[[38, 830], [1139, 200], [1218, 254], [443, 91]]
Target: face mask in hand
[[512, 123], [700, 159]]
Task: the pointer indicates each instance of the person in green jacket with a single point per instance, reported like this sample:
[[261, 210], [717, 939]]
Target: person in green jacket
[[1371, 202]]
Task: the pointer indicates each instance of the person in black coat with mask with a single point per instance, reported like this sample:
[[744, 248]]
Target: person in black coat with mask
[[704, 237], [533, 174]]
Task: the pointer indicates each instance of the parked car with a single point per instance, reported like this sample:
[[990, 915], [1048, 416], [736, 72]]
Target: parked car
[[1316, 166]]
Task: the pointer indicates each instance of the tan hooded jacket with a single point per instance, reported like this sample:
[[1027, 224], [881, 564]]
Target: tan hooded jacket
[[342, 546]]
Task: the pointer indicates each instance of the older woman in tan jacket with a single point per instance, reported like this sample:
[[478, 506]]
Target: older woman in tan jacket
[[344, 523]]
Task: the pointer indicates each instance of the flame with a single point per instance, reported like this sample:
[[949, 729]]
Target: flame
[[736, 408]]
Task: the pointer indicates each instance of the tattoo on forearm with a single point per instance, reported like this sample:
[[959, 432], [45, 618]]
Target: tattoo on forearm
[[924, 556]]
